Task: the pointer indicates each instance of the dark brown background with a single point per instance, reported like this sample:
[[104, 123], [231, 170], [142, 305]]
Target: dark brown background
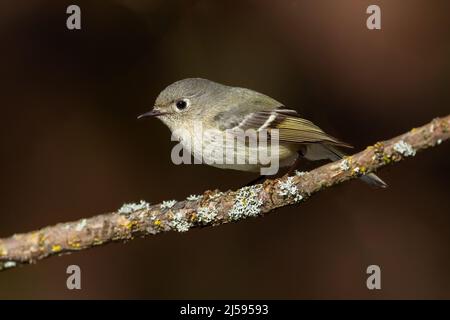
[[72, 147]]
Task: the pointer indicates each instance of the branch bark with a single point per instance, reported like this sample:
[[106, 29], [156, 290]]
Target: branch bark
[[213, 207]]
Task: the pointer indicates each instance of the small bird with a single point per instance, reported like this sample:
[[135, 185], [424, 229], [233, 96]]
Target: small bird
[[224, 109]]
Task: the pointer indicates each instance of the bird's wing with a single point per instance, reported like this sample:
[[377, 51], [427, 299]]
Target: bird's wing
[[291, 128]]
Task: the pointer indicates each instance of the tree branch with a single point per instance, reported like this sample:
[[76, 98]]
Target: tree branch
[[213, 207]]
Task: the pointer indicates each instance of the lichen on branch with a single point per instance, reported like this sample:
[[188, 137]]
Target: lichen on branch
[[213, 208]]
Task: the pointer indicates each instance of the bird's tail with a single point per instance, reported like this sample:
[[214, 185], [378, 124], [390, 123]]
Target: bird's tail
[[324, 151]]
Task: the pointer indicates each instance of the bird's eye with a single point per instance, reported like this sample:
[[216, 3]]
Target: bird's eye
[[182, 104]]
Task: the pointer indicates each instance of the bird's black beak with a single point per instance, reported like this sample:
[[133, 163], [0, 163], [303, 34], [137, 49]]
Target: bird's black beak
[[151, 113]]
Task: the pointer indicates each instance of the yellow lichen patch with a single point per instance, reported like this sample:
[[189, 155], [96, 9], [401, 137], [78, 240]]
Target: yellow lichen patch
[[3, 252], [41, 242], [349, 159], [129, 224], [56, 248], [157, 222], [413, 129], [126, 223], [194, 217], [74, 243], [41, 239], [386, 159], [97, 241], [378, 145], [363, 169]]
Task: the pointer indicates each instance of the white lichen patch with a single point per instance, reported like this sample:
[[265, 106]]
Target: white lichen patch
[[194, 197], [80, 226], [180, 223], [439, 141], [289, 189], [168, 204], [128, 208], [300, 173], [246, 203], [356, 170], [152, 231], [344, 165], [206, 215], [404, 148], [216, 195], [9, 264]]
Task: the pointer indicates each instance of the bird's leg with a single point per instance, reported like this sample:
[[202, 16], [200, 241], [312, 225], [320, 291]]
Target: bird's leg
[[291, 169], [295, 164], [260, 179]]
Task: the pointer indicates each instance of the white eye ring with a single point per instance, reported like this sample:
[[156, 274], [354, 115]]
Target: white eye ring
[[182, 104]]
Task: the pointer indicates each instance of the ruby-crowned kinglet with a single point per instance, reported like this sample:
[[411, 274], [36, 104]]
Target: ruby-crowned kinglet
[[224, 109]]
